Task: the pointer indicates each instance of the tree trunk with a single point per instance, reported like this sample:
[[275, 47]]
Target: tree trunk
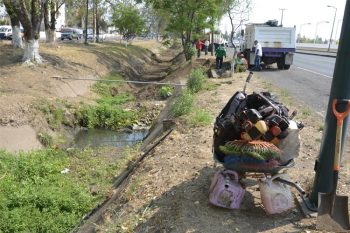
[[97, 23], [16, 37], [16, 31], [31, 52], [51, 33], [50, 36]]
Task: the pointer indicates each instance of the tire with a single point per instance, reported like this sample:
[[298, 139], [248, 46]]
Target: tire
[[286, 67], [280, 63]]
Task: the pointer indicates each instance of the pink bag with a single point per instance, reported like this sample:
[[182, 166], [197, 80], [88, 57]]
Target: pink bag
[[225, 190]]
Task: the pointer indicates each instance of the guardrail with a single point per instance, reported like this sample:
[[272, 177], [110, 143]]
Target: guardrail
[[316, 47]]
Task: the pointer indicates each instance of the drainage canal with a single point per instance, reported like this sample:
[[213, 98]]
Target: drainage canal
[[108, 138]]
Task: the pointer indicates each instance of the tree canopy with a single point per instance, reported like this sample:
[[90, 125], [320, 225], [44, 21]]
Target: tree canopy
[[189, 16], [128, 20]]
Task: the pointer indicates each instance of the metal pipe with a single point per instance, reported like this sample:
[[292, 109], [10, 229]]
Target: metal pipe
[[323, 181], [121, 81]]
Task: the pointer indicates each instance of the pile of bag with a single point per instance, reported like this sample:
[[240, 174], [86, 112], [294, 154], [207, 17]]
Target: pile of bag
[[256, 129]]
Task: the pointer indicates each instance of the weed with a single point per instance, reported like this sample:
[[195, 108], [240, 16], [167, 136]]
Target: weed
[[196, 80], [321, 127], [105, 116], [306, 111], [36, 197], [116, 100], [199, 117], [284, 93], [166, 91], [45, 139], [133, 187], [105, 88], [183, 104], [210, 86], [267, 86]]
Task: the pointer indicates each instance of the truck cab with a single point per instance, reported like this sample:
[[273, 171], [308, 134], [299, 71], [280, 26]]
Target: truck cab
[[278, 44]]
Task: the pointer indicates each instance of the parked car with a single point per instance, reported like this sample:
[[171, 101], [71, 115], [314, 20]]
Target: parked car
[[80, 32], [91, 36], [5, 32], [69, 33]]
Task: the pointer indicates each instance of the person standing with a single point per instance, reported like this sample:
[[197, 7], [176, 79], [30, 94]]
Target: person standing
[[258, 55], [206, 46], [199, 46], [220, 53]]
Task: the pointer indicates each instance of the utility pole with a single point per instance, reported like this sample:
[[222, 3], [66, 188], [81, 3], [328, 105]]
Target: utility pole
[[86, 21], [282, 9], [323, 181], [330, 39]]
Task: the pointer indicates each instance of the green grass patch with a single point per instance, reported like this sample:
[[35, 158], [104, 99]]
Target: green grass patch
[[107, 116], [210, 86], [199, 117], [183, 104], [116, 100], [36, 197], [107, 88]]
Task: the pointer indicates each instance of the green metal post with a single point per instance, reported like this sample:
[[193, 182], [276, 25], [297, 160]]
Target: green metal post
[[340, 90]]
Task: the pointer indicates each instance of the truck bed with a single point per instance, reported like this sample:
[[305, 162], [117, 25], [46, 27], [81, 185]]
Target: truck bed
[[270, 37]]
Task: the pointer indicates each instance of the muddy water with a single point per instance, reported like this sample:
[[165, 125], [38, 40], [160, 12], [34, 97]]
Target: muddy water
[[101, 138]]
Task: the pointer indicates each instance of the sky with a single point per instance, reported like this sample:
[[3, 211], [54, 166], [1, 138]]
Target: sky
[[299, 13]]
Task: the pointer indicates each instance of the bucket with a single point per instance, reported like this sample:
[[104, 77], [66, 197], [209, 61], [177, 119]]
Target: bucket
[[225, 190], [275, 196]]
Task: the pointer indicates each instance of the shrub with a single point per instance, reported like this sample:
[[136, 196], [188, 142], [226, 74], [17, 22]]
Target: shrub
[[183, 104], [189, 51], [105, 116], [166, 91], [196, 80]]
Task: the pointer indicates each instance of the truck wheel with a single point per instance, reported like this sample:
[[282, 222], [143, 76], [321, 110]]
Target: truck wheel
[[286, 67], [280, 63]]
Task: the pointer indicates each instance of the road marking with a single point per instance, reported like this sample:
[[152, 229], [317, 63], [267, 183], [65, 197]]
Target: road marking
[[314, 72]]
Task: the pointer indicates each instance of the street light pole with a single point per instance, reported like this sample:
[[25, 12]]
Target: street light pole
[[330, 39], [336, 30], [316, 29], [282, 9], [301, 25]]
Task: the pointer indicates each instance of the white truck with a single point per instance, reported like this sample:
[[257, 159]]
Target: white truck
[[278, 44]]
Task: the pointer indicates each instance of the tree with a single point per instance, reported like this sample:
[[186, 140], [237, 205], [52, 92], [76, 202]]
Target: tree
[[187, 17], [238, 12], [29, 13], [51, 12], [128, 21], [16, 26]]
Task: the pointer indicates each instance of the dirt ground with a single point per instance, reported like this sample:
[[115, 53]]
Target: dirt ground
[[169, 191]]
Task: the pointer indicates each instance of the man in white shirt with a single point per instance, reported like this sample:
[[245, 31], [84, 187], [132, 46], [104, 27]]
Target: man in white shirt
[[206, 46], [258, 55]]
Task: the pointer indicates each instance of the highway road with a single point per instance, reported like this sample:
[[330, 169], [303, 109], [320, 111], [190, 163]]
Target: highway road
[[309, 80]]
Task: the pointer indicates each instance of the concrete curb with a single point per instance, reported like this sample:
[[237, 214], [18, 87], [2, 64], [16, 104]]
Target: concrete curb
[[317, 53]]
